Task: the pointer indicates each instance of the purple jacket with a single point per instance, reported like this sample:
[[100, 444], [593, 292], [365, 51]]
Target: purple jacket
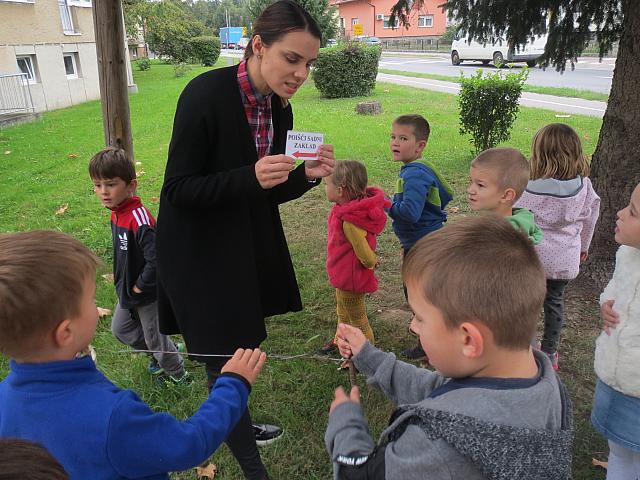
[[567, 212]]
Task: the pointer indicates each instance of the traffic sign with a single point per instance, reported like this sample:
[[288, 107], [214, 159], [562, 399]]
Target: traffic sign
[[357, 29]]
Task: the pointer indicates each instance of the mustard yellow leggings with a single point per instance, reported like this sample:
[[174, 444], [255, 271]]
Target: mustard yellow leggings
[[351, 310]]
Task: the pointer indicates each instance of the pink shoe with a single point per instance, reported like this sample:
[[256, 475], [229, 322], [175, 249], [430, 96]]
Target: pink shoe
[[554, 360]]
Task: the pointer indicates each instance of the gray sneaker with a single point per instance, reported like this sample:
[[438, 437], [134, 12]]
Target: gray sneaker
[[266, 434]]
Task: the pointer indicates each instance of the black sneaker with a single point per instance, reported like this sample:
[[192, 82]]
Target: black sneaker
[[266, 434], [328, 348], [415, 353]]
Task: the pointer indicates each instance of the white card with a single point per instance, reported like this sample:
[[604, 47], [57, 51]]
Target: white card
[[303, 145]]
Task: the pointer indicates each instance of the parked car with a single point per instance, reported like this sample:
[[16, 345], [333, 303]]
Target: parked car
[[332, 42], [497, 51], [242, 43], [367, 39]]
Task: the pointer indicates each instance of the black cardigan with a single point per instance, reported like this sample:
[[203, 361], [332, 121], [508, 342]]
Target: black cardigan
[[223, 260]]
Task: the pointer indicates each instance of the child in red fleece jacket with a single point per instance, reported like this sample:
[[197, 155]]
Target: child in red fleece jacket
[[355, 220]]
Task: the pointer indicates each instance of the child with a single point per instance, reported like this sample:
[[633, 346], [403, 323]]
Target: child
[[498, 178], [566, 207], [616, 405], [24, 460], [494, 408], [421, 192], [354, 221], [135, 319], [94, 429]]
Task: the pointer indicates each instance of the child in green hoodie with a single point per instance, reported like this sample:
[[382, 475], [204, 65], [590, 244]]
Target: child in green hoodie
[[498, 178]]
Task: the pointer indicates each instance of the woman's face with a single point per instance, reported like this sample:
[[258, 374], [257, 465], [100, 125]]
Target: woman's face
[[285, 64]]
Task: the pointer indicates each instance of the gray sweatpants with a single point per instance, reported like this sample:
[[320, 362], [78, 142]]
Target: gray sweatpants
[[138, 328]]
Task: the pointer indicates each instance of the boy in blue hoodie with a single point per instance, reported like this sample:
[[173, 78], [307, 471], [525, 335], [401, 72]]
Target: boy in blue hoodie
[[63, 402], [421, 192]]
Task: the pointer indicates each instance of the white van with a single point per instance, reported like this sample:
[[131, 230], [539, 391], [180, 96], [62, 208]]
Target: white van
[[497, 52]]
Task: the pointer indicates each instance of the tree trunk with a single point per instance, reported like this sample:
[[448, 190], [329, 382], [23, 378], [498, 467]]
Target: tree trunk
[[112, 73], [615, 166]]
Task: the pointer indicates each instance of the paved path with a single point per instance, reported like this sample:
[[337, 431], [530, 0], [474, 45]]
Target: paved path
[[564, 105]]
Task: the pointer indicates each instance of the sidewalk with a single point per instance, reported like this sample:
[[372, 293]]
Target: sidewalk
[[564, 105]]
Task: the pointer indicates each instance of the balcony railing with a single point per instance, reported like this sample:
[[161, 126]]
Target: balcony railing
[[15, 94]]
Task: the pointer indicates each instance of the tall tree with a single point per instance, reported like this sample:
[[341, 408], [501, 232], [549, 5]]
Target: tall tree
[[320, 10], [570, 24]]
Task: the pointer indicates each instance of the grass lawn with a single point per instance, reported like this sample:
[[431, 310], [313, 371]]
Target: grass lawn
[[557, 91], [43, 166]]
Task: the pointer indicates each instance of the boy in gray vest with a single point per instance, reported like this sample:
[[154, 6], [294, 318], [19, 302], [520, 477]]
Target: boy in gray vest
[[493, 408]]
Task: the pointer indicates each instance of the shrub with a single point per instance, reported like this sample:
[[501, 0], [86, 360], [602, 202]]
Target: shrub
[[143, 64], [347, 70], [205, 50], [180, 69], [489, 106]]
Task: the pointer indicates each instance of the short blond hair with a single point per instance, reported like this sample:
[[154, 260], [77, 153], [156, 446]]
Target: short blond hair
[[509, 165], [556, 152], [481, 268], [41, 283], [351, 175]]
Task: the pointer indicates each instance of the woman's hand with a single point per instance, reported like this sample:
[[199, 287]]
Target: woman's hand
[[323, 167], [610, 318], [273, 170]]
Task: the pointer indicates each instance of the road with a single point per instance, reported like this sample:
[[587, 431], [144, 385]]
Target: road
[[589, 74]]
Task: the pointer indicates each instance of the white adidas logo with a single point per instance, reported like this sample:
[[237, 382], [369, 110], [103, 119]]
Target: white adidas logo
[[123, 241]]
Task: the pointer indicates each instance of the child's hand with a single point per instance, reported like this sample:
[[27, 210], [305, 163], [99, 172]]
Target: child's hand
[[341, 397], [350, 340], [136, 289], [584, 256], [246, 363], [609, 316]]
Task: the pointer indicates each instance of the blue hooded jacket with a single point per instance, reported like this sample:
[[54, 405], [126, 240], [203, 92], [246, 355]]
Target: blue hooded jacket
[[419, 202]]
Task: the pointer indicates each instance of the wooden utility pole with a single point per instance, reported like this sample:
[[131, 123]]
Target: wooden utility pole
[[112, 73]]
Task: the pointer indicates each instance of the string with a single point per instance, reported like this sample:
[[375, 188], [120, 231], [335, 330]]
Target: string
[[220, 355]]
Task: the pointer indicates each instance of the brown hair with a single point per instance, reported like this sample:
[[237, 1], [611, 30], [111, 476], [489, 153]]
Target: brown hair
[[509, 165], [481, 268], [556, 152], [277, 20], [27, 460], [112, 162], [421, 128], [352, 177], [41, 281]]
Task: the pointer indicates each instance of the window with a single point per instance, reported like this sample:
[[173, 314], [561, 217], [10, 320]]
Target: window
[[354, 21], [388, 25], [425, 21], [342, 22], [18, 1], [65, 16], [26, 65], [71, 65]]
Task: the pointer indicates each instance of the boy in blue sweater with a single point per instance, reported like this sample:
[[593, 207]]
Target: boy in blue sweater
[[421, 192], [62, 401]]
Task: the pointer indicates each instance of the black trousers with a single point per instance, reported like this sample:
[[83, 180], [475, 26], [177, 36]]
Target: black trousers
[[241, 440], [553, 314]]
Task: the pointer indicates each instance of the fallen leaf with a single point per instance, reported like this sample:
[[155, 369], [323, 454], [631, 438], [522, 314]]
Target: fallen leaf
[[140, 173], [103, 312], [155, 199], [598, 463], [108, 277], [7, 152], [62, 209], [379, 310], [72, 155], [454, 209], [208, 471], [138, 163]]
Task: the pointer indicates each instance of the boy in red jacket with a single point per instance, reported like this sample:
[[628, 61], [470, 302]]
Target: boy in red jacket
[[135, 319]]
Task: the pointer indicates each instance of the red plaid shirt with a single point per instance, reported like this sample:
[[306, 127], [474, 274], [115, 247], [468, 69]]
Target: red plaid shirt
[[257, 107]]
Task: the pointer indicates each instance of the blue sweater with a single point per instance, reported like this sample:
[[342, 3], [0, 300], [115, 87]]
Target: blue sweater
[[419, 202], [98, 431]]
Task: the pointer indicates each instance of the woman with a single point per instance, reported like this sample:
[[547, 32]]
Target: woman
[[223, 260]]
